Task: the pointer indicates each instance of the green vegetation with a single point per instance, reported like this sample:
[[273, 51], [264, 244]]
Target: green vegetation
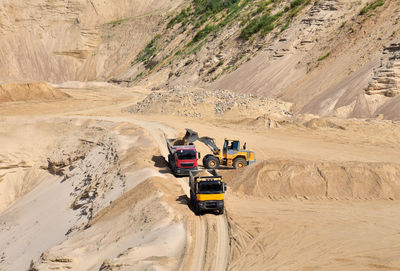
[[296, 3], [195, 48], [205, 18], [265, 24], [204, 33], [211, 7], [261, 7], [372, 6], [324, 56], [286, 26], [147, 53], [179, 18], [232, 13], [295, 7], [343, 24], [206, 10], [138, 76]]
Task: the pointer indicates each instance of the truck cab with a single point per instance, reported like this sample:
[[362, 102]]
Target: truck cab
[[183, 159], [207, 191]]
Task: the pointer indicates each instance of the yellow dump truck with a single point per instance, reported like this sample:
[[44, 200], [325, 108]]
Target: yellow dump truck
[[207, 190]]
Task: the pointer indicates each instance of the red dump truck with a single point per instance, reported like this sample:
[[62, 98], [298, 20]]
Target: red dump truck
[[182, 156]]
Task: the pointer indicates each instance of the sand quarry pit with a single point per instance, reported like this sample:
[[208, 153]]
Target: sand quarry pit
[[84, 186]]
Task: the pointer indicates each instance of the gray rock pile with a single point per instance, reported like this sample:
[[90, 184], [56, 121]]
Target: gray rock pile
[[198, 103]]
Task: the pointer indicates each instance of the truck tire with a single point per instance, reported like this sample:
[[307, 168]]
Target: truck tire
[[221, 211], [196, 209], [205, 159], [211, 162], [191, 201], [239, 163]]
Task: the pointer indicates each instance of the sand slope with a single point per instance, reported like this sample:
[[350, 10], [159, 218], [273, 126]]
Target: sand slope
[[57, 41], [137, 231]]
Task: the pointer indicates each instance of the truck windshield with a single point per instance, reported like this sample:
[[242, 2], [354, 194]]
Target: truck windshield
[[210, 187], [186, 155]]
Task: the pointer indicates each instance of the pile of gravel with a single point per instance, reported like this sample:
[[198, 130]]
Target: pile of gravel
[[188, 101]]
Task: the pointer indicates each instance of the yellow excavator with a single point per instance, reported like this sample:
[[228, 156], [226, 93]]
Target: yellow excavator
[[231, 155]]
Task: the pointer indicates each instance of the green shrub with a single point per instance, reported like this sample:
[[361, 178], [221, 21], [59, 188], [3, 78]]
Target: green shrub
[[324, 56], [295, 7], [296, 3], [265, 24], [261, 7], [232, 13], [372, 6], [179, 18], [149, 51], [203, 33], [286, 26], [212, 6]]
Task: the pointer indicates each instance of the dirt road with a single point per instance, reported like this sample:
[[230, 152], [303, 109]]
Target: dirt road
[[210, 247]]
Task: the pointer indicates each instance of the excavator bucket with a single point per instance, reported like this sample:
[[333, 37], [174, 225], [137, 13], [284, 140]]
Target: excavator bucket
[[190, 136], [209, 142]]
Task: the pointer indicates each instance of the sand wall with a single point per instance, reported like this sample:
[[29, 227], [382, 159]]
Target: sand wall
[[286, 179]]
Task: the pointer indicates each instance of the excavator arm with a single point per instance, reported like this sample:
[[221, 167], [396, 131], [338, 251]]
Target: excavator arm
[[209, 142]]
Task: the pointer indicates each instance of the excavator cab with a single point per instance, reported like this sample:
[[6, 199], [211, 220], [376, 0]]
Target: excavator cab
[[232, 155], [230, 146]]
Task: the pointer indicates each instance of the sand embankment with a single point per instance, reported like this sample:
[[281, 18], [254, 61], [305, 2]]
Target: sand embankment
[[30, 92], [285, 179]]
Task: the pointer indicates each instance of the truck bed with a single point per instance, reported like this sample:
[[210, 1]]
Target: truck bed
[[205, 173]]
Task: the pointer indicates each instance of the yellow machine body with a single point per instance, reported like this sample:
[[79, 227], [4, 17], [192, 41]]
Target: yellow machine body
[[232, 151]]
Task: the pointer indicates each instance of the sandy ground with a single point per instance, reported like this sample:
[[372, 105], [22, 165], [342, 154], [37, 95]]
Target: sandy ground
[[318, 235], [84, 186]]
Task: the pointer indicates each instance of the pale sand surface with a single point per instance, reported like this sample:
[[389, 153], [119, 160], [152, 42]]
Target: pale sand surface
[[114, 205]]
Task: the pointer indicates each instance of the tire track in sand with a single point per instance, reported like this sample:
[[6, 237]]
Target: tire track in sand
[[211, 248], [223, 243], [200, 247], [205, 253], [210, 245]]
